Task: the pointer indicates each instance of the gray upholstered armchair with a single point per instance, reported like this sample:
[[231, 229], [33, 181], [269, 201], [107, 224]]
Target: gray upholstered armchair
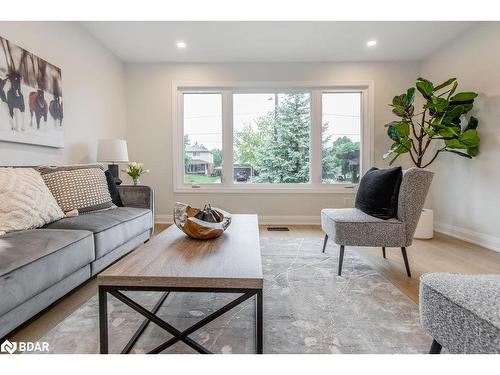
[[352, 227]]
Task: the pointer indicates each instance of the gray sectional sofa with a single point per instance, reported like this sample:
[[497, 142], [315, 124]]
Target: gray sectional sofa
[[39, 266]]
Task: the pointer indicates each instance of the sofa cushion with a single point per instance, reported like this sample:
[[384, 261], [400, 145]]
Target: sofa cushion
[[33, 260], [352, 227], [111, 228], [462, 312]]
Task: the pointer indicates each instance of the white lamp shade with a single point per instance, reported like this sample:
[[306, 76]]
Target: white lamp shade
[[112, 151]]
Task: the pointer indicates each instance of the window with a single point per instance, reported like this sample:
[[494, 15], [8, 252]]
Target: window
[[341, 137], [259, 138], [202, 119], [271, 137]]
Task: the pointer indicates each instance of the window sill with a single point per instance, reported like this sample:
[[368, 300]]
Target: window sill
[[206, 189]]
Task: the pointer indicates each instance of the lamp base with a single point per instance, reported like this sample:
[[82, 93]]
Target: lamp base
[[115, 172]]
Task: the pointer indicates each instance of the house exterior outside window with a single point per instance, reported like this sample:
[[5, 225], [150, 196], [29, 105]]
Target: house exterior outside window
[[277, 137], [201, 160]]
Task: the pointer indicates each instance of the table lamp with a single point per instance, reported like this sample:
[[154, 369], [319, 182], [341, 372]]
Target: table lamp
[[113, 151]]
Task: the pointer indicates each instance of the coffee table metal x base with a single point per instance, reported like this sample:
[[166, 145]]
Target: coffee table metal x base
[[183, 336]]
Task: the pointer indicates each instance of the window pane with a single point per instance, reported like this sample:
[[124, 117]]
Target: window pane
[[202, 138], [341, 137], [271, 137]]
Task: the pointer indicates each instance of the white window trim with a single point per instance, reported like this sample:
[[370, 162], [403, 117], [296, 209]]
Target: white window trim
[[227, 89]]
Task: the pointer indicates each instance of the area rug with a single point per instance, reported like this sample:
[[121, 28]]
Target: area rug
[[307, 309]]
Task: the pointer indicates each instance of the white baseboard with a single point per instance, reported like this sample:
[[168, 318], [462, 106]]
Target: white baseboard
[[164, 219], [263, 220], [289, 220], [481, 239]]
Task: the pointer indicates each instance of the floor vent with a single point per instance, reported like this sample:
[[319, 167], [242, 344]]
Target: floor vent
[[278, 229]]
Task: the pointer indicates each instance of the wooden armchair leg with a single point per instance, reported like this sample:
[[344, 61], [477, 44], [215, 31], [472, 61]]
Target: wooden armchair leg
[[324, 242], [405, 258], [341, 259], [383, 252], [435, 347]]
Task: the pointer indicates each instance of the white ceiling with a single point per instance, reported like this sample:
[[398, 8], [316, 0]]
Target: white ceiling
[[274, 41]]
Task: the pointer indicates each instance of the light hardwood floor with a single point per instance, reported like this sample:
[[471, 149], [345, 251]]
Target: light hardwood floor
[[441, 254]]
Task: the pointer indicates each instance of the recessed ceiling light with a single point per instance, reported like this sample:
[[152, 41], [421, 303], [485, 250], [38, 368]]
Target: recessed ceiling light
[[181, 45], [371, 43]]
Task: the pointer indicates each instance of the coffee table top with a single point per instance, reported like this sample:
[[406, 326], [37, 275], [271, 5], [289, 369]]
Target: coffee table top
[[171, 259]]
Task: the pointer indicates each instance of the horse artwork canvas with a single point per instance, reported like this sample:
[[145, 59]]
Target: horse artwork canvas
[[31, 103]]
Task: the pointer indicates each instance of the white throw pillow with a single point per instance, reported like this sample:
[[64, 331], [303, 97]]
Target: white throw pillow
[[25, 200]]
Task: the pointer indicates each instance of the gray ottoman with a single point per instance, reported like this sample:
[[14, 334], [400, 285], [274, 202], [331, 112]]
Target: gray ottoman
[[461, 312]]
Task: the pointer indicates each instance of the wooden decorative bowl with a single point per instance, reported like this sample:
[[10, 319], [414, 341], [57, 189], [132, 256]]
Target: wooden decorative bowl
[[190, 221]]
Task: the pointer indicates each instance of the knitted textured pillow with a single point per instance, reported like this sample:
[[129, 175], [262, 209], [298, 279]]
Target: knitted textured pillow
[[25, 200], [81, 188]]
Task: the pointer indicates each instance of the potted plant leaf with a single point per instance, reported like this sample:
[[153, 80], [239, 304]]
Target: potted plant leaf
[[443, 120]]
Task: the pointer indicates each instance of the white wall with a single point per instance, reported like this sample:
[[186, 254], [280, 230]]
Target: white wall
[[149, 125], [466, 193], [105, 99], [93, 91]]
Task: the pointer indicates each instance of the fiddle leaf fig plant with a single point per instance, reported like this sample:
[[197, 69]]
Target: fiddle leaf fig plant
[[443, 118]]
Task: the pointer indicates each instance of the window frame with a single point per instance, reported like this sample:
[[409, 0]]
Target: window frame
[[227, 89]]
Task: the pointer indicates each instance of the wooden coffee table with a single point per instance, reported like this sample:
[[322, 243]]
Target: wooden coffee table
[[172, 262]]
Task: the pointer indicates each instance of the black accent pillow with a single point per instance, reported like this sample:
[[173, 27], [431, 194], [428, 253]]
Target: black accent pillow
[[113, 190], [378, 192]]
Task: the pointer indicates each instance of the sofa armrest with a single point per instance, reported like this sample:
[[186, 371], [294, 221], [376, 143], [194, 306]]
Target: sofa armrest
[[138, 196]]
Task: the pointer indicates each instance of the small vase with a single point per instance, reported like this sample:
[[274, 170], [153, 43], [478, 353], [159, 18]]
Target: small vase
[[136, 181]]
